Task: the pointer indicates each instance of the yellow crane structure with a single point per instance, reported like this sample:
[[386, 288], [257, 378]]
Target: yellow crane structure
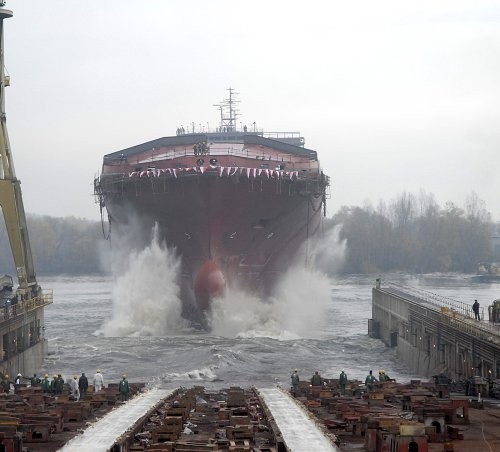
[[11, 199], [22, 343]]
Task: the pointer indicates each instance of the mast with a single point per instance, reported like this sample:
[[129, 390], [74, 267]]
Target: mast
[[228, 112], [11, 200]]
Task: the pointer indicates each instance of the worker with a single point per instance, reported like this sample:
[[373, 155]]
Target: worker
[[53, 384], [124, 389], [83, 384], [18, 379], [35, 381], [59, 385], [342, 382], [295, 380], [98, 381], [370, 379], [73, 386], [382, 376], [475, 309], [316, 379], [6, 384], [46, 384]]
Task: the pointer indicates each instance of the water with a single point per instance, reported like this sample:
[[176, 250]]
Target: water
[[302, 327]]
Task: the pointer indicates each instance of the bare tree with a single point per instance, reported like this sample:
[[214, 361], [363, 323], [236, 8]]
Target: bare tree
[[402, 210]]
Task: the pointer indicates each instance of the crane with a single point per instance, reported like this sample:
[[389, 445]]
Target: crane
[[11, 200]]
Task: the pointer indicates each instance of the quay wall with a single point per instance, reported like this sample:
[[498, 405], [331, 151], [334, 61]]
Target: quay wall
[[22, 342], [431, 339]]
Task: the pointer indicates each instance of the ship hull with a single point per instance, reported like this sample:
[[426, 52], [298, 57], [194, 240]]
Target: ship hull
[[250, 227], [236, 206]]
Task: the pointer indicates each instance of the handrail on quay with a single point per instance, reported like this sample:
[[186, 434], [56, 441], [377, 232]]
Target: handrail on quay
[[452, 311], [22, 307]]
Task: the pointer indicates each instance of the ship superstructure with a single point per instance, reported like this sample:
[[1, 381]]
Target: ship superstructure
[[236, 203]]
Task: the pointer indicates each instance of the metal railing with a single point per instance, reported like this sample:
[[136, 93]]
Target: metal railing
[[228, 150], [453, 311], [23, 307]]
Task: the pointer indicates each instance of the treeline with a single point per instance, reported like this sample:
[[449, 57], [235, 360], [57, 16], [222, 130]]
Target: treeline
[[414, 234], [411, 234], [59, 246]]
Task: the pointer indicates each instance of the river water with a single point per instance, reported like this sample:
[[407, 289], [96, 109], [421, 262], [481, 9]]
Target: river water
[[316, 323]]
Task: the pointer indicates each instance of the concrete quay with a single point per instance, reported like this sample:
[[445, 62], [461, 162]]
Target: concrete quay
[[436, 335]]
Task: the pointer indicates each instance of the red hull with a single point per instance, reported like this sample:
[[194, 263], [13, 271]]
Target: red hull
[[249, 222]]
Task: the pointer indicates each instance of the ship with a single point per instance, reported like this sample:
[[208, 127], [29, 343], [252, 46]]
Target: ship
[[236, 203]]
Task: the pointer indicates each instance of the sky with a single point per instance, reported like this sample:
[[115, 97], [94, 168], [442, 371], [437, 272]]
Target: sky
[[396, 96]]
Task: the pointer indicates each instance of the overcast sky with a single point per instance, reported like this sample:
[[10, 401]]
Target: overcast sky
[[394, 95]]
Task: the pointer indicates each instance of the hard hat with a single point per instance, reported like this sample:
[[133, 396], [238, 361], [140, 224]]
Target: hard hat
[[19, 375], [98, 370], [55, 375], [75, 377], [46, 375], [296, 370], [124, 376]]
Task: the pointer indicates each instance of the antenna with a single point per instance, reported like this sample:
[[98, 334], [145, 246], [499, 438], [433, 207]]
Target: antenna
[[228, 112]]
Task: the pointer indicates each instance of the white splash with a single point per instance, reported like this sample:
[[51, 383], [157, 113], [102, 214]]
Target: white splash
[[294, 311], [298, 305], [327, 252], [206, 373], [146, 298]]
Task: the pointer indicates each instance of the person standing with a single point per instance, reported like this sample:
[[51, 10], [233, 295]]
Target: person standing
[[342, 382], [316, 379], [83, 385], [98, 381], [46, 384], [73, 386], [370, 379], [295, 380], [475, 308], [53, 384], [6, 384], [35, 381], [124, 389], [59, 384]]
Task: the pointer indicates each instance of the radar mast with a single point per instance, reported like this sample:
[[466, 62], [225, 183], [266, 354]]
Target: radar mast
[[228, 112]]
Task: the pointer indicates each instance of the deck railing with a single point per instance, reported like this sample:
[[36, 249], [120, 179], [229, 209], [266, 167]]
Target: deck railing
[[227, 150]]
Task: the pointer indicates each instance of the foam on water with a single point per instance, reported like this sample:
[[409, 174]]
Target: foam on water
[[343, 341], [299, 302], [146, 296], [146, 293], [204, 374]]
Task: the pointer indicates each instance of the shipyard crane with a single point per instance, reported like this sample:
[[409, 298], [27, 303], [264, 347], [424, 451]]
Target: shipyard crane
[[11, 200]]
